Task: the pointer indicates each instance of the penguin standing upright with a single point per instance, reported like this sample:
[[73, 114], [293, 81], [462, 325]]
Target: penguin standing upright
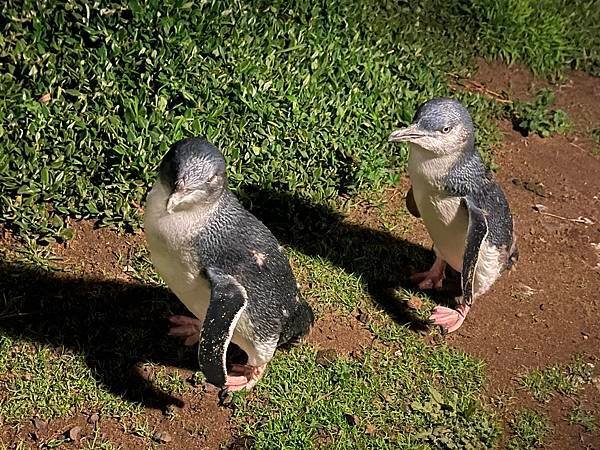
[[223, 264], [463, 207]]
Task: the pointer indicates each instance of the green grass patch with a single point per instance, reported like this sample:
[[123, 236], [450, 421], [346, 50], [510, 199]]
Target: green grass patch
[[326, 284], [562, 379], [381, 400], [301, 98], [169, 381], [537, 117], [529, 429], [37, 380], [583, 417]]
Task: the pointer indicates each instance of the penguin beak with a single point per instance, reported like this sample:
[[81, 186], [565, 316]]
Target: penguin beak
[[176, 197], [408, 134]]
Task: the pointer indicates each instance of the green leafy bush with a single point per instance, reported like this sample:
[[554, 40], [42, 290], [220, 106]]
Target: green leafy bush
[[546, 35], [300, 96], [536, 117]]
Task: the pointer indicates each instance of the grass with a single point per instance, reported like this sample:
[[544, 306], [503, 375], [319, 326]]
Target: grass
[[37, 380], [584, 418], [377, 401], [301, 98], [545, 35], [562, 379], [529, 430]]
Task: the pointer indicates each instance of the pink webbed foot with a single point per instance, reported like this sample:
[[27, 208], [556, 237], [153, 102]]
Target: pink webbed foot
[[449, 319], [243, 376], [433, 278], [186, 328]]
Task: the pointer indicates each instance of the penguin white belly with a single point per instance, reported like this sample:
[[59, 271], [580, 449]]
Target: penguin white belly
[[447, 223], [168, 237], [191, 288]]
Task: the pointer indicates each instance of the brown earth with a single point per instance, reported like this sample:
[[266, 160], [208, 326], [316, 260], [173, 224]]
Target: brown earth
[[544, 312]]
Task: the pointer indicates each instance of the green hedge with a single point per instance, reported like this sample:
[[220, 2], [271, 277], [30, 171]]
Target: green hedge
[[300, 96]]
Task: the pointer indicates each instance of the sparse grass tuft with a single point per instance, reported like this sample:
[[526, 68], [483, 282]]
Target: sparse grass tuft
[[596, 139], [536, 117], [583, 417], [169, 381], [563, 379], [529, 430]]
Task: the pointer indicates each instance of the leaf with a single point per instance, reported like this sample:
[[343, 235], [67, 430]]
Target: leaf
[[435, 395]]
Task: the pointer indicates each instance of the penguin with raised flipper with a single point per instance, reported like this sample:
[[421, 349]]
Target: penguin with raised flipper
[[464, 209], [223, 264]]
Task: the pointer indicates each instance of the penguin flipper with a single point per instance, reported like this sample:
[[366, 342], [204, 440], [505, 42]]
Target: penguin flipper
[[411, 205], [228, 301], [476, 233]]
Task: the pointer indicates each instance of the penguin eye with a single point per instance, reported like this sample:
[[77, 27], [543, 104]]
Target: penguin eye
[[446, 130], [212, 178]]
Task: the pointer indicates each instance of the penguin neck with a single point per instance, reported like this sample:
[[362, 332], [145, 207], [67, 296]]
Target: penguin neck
[[429, 168]]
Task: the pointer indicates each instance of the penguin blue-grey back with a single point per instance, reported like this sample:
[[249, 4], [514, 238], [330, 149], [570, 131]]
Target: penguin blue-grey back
[[223, 264], [463, 207]]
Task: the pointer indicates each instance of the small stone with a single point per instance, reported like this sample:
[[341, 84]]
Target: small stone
[[93, 419], [45, 98], [162, 436], [73, 434], [40, 425], [362, 317], [585, 336], [519, 315]]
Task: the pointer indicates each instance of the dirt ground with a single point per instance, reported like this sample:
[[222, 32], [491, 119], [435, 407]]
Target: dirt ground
[[543, 312]]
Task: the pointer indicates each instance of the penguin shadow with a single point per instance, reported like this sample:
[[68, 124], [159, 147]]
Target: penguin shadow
[[119, 328], [384, 262]]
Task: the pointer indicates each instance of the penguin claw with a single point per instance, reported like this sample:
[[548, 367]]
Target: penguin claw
[[449, 319], [243, 376], [185, 327]]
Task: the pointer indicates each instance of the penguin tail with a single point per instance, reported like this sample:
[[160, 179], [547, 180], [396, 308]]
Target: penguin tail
[[298, 323]]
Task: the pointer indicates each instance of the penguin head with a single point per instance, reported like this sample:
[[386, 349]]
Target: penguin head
[[441, 126], [193, 172]]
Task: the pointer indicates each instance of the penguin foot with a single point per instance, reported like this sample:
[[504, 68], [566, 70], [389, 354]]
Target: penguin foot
[[243, 376], [449, 319], [433, 278], [186, 328]]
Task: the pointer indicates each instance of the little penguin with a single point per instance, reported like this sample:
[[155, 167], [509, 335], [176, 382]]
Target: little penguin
[[464, 209], [223, 264]]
